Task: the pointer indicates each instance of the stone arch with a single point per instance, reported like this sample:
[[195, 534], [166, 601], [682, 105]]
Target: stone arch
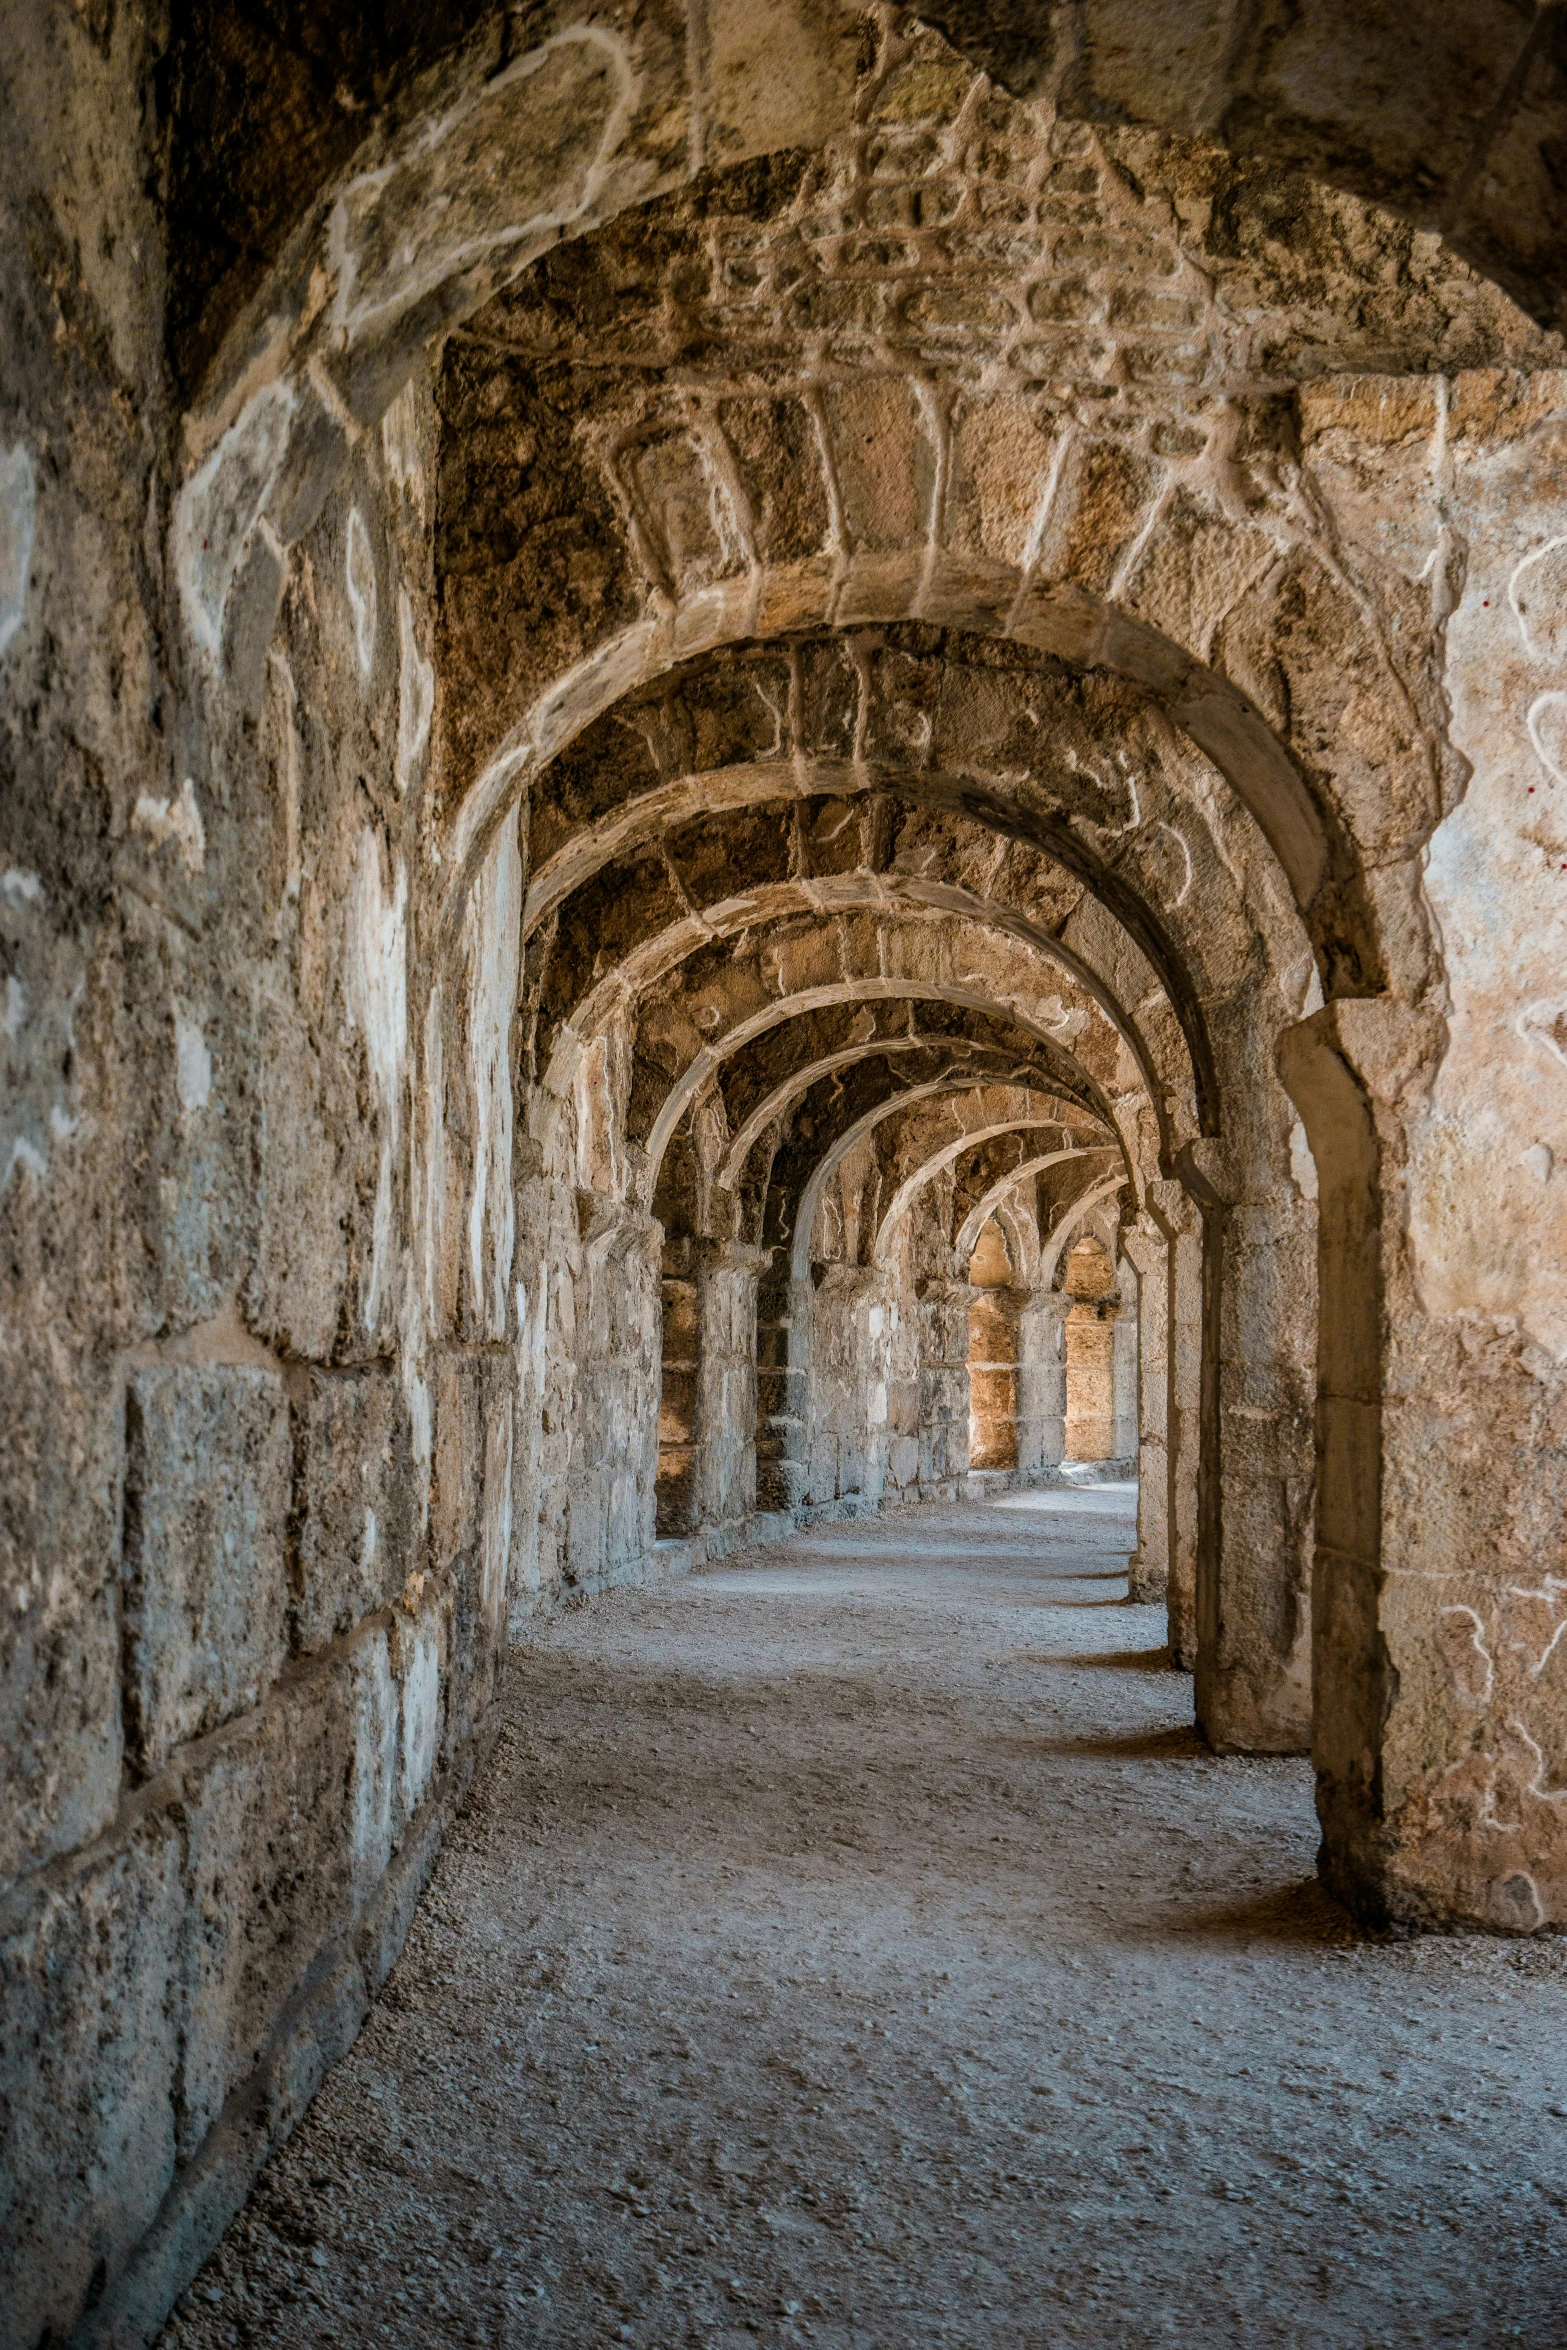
[[280, 1192], [1231, 1180], [773, 1107], [659, 957], [811, 1307], [1263, 925], [1053, 1247], [994, 1202], [684, 1092], [1021, 1233], [1260, 94], [1070, 602], [1084, 631], [882, 894], [894, 1106], [940, 1161]]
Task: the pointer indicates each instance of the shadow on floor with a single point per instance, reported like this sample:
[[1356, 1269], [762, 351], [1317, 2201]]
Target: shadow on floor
[[1081, 1602], [1302, 1913], [1128, 1660], [1088, 1575], [1178, 1744]]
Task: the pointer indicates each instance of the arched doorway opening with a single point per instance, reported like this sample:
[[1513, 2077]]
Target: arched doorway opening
[[992, 1354], [1090, 1326]]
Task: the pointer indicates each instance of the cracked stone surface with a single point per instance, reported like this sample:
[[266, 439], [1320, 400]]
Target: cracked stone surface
[[855, 1945]]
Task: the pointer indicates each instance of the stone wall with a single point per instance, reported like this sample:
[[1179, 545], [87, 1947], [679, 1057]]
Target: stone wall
[[294, 1448]]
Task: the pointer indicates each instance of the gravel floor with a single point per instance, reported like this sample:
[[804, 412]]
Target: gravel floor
[[855, 1946]]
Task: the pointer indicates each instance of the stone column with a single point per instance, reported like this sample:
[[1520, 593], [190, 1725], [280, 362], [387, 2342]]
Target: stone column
[[1147, 1251], [1123, 1379], [943, 1322], [1175, 1216], [725, 1434], [783, 1370], [1041, 1384], [677, 1503], [1439, 1680], [1255, 1476], [899, 1364], [847, 1438]]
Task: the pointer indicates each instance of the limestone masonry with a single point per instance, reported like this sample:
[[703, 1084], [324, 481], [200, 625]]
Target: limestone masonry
[[755, 762]]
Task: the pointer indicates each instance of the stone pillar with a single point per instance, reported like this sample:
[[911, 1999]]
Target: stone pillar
[[1147, 1251], [612, 1516], [1175, 1216], [846, 1417], [1255, 1475], [783, 1370], [1439, 1679], [943, 1323], [725, 1431], [1041, 1384], [899, 1366], [1123, 1378], [677, 1505]]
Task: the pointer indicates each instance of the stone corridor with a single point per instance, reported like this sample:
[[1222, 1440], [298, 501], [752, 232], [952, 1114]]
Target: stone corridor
[[855, 1945], [761, 763]]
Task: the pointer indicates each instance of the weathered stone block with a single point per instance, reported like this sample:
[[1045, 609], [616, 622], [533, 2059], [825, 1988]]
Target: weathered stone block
[[886, 461], [1001, 462], [357, 1523], [939, 1456], [585, 1531], [271, 1813], [992, 1394], [373, 1787], [903, 1461], [206, 1513], [779, 453], [456, 1497], [305, 1205], [420, 1739], [90, 2028]]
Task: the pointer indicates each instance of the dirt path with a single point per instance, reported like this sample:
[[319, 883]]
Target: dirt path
[[857, 1947]]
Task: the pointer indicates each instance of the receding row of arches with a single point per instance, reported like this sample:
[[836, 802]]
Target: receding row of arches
[[1094, 1425], [826, 1020]]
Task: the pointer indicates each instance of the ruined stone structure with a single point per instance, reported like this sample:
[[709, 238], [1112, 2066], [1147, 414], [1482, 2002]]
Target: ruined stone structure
[[689, 697]]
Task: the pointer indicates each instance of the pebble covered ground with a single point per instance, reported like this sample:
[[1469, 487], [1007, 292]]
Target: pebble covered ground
[[854, 1945]]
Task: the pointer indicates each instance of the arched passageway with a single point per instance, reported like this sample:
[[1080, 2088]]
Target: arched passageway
[[992, 1354], [665, 679], [1088, 1280]]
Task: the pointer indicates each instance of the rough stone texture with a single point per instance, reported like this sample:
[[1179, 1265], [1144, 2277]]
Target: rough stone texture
[[205, 1584], [1088, 1279], [92, 2052], [1464, 145], [696, 648], [353, 1530]]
